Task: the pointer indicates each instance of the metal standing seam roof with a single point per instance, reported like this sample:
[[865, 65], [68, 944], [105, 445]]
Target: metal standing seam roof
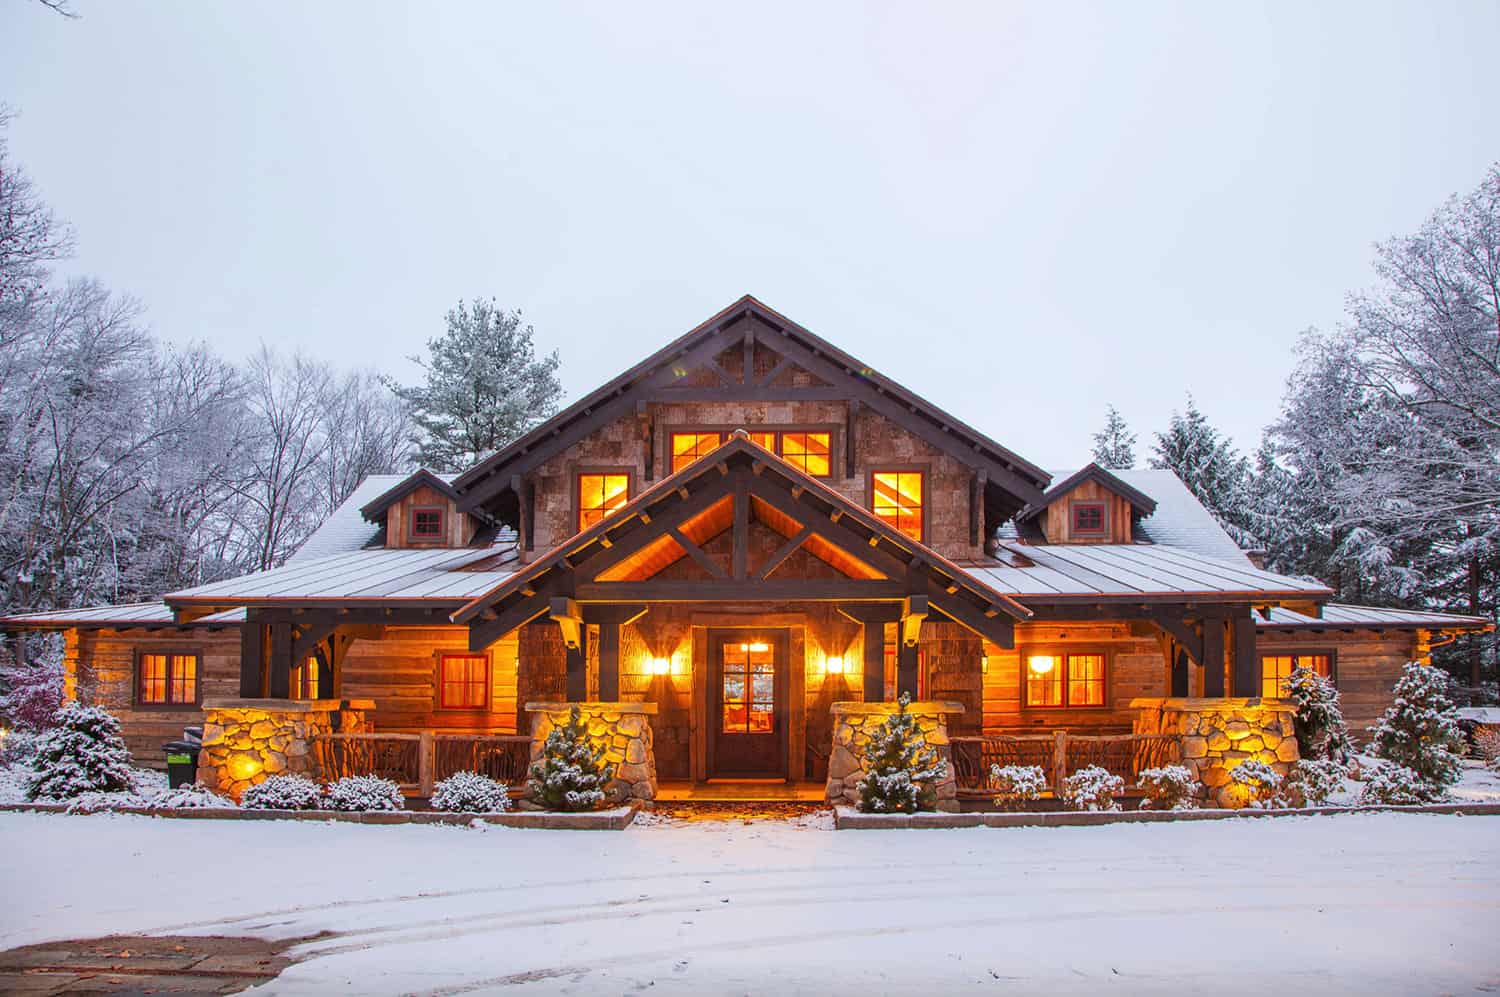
[[136, 614], [1336, 615]]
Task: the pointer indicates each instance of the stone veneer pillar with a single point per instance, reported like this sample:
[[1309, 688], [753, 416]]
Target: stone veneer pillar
[[246, 741], [852, 724], [625, 731], [1219, 734]]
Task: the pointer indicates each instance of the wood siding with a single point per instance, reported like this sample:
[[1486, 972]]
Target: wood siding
[[399, 672], [1366, 667], [458, 529], [1134, 666], [1058, 520]]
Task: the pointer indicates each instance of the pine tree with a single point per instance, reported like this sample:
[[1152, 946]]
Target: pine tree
[[1210, 467], [84, 753], [1420, 731], [901, 769], [571, 774], [1114, 445], [1319, 721]]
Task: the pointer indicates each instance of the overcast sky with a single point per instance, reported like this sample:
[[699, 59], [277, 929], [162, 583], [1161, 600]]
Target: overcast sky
[[1020, 212]]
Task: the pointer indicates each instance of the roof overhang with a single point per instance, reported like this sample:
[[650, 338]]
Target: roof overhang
[[374, 510]]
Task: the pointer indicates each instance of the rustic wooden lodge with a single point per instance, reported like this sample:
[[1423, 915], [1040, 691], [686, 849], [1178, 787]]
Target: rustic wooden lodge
[[735, 556]]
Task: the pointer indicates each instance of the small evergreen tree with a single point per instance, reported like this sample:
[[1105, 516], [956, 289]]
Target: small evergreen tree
[[84, 753], [901, 768], [1319, 721], [1420, 731], [572, 773], [1114, 445]]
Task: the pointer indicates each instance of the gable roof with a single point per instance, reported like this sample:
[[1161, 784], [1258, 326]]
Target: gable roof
[[1019, 480], [1143, 504], [374, 510]]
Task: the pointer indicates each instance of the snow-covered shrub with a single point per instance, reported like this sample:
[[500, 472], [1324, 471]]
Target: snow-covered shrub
[[190, 797], [572, 773], [84, 753], [18, 747], [1311, 782], [1487, 744], [470, 793], [93, 803], [1016, 785], [1170, 787], [1260, 781], [1092, 788], [901, 768], [1420, 729], [283, 792], [1319, 721], [357, 793], [31, 693], [1397, 785]]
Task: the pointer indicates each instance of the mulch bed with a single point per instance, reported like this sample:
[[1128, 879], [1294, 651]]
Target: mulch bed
[[138, 964]]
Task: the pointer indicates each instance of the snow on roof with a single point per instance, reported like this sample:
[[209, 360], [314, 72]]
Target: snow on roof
[[346, 529], [1344, 615], [1130, 569], [134, 614]]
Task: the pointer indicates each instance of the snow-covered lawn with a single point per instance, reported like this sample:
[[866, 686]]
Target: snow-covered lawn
[[1384, 903]]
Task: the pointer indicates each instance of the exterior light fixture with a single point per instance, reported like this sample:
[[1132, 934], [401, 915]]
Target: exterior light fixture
[[835, 666], [661, 666], [757, 647], [1041, 664], [984, 664]]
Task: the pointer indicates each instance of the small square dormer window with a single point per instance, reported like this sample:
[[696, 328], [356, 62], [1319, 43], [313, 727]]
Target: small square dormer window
[[1090, 519], [427, 523]]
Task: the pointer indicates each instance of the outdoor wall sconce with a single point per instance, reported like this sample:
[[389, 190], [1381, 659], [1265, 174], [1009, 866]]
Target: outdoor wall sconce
[[1041, 664], [757, 647], [835, 666], [661, 666]]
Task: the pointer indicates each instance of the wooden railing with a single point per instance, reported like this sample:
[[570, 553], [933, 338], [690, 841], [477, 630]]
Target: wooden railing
[[1059, 754], [419, 761]]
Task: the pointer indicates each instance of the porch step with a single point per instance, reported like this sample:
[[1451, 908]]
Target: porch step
[[739, 791]]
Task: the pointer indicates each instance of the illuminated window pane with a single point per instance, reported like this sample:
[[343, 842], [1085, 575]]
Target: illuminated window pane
[[1275, 669], [749, 689], [1085, 680], [1045, 690], [153, 678], [688, 447], [897, 499], [767, 440], [599, 495], [808, 451], [305, 680], [184, 674], [465, 682]]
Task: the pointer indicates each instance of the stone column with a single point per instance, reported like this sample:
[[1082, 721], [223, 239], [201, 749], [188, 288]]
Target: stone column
[[1218, 734], [625, 731], [246, 741], [852, 724]]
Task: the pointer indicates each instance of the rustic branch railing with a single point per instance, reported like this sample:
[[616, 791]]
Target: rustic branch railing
[[420, 761], [1059, 754]]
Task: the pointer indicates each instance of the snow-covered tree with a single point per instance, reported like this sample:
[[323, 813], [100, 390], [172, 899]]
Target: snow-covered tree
[[484, 386], [1319, 720], [901, 768], [31, 690], [83, 753], [1114, 445], [1419, 730], [572, 773], [1209, 465]]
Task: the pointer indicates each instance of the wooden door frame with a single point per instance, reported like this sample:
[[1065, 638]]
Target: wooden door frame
[[780, 637]]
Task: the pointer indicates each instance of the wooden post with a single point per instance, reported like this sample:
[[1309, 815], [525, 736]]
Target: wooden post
[[874, 661], [1213, 656], [906, 669], [426, 762], [252, 659], [1059, 761], [1246, 661], [577, 665], [279, 679], [609, 662]]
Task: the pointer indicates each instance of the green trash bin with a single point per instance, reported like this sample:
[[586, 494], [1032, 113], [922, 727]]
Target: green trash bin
[[182, 763]]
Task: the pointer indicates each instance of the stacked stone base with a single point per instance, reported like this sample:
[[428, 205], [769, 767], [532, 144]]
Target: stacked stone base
[[1219, 734], [852, 724], [625, 731], [246, 741]]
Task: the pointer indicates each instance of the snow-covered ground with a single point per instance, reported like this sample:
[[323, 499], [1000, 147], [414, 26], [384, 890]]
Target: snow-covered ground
[[1359, 903]]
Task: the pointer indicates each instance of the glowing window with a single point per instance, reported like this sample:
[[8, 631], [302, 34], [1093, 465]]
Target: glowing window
[[1062, 680], [464, 682], [767, 440], [305, 680], [807, 451], [427, 522], [1085, 680], [897, 499], [1088, 519], [1275, 669], [599, 495], [749, 688], [688, 447], [167, 679]]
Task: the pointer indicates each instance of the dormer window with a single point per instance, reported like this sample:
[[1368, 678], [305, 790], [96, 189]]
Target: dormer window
[[1090, 519], [427, 522]]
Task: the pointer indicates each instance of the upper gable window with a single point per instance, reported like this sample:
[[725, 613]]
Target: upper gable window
[[809, 452], [688, 447], [1090, 519], [427, 522], [898, 498], [599, 495]]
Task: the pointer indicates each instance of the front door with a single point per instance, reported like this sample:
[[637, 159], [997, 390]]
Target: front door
[[747, 703]]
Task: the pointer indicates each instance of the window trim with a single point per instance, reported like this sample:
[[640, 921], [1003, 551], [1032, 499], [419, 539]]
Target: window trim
[[1263, 652], [925, 470], [1102, 533], [195, 651], [411, 524], [1063, 652], [439, 658], [578, 474], [833, 429]]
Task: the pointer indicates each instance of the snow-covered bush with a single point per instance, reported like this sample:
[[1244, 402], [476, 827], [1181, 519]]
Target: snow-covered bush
[[1170, 787], [1420, 729], [1016, 785], [470, 793], [84, 753], [283, 792], [572, 773], [1319, 721], [18, 747], [1261, 783], [93, 803], [1487, 744], [190, 797], [358, 793], [31, 693], [1397, 785], [901, 768], [1092, 788], [1311, 782]]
